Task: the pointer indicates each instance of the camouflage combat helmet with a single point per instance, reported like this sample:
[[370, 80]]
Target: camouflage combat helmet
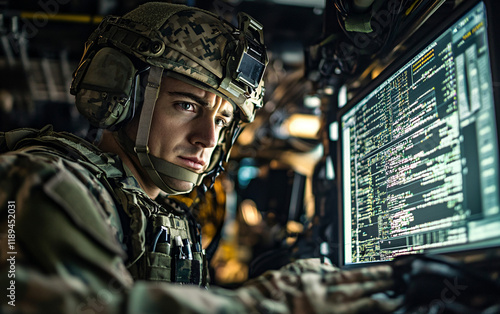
[[125, 58]]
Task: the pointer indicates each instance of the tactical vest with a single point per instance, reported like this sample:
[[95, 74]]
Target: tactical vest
[[161, 238]]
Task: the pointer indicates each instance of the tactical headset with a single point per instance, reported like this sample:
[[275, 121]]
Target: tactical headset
[[125, 59]]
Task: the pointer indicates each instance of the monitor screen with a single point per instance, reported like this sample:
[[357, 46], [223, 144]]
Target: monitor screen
[[419, 152]]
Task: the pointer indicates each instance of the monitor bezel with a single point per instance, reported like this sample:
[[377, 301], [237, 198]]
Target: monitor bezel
[[473, 254]]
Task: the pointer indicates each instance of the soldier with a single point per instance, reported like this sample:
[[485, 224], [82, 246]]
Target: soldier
[[167, 88]]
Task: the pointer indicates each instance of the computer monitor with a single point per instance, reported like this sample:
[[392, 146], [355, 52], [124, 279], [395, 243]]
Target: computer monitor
[[419, 150]]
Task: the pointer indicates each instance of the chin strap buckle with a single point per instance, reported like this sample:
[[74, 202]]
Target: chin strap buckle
[[141, 149]]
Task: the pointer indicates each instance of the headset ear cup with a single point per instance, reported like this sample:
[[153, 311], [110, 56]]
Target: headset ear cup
[[104, 93]]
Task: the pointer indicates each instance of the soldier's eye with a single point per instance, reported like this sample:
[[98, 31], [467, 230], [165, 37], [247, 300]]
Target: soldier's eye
[[186, 106], [221, 122]]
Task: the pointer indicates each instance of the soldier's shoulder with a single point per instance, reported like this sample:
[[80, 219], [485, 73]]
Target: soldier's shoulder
[[59, 181], [43, 168]]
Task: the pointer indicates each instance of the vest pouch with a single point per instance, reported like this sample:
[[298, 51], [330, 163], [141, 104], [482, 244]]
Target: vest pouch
[[197, 268], [182, 271], [159, 266]]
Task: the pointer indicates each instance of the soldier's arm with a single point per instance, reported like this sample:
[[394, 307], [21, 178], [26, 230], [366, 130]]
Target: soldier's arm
[[67, 259]]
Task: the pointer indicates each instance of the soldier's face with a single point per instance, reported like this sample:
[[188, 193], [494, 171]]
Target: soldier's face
[[186, 125]]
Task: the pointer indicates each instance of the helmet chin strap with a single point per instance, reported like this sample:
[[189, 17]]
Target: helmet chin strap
[[157, 168]]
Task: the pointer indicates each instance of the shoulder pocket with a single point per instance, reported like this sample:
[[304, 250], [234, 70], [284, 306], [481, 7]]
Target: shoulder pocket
[[67, 191]]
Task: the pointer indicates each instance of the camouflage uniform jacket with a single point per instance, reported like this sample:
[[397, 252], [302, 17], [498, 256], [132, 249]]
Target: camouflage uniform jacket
[[64, 248]]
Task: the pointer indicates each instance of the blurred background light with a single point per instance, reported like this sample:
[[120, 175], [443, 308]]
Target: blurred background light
[[250, 213], [303, 125]]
